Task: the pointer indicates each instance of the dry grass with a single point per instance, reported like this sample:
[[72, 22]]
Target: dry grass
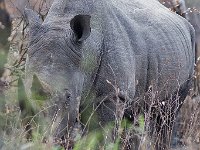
[[13, 134]]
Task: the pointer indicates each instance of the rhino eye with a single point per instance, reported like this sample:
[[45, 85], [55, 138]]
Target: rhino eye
[[67, 95]]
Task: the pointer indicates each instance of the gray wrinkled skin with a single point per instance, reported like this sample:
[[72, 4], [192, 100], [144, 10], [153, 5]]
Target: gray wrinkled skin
[[133, 44]]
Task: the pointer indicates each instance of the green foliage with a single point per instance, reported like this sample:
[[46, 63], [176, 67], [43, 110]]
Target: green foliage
[[3, 59], [103, 139], [90, 142], [141, 123], [25, 104], [113, 146], [38, 93], [89, 115]]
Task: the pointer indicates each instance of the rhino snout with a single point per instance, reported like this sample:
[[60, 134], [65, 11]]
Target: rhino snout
[[65, 114]]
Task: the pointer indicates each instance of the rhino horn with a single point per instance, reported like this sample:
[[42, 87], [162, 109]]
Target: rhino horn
[[57, 7]]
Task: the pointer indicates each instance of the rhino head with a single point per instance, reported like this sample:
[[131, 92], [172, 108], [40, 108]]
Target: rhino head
[[54, 58]]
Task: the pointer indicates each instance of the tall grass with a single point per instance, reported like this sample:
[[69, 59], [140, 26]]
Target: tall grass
[[119, 134]]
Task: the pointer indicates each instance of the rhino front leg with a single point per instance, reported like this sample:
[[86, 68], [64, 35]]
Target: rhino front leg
[[104, 110]]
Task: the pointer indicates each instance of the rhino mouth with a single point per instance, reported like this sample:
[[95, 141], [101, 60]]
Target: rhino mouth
[[66, 134], [65, 119], [68, 139]]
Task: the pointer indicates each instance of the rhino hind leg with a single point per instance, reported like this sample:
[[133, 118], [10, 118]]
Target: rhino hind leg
[[165, 115], [107, 111]]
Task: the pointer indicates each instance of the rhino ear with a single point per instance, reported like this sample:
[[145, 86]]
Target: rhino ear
[[80, 25], [33, 19]]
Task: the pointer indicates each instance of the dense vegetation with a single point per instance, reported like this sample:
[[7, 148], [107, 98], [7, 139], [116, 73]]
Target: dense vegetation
[[13, 135]]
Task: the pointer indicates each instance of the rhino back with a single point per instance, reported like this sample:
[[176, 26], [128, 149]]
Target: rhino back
[[145, 44]]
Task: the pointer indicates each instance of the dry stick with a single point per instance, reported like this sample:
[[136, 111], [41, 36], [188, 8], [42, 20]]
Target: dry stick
[[119, 115], [44, 109]]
